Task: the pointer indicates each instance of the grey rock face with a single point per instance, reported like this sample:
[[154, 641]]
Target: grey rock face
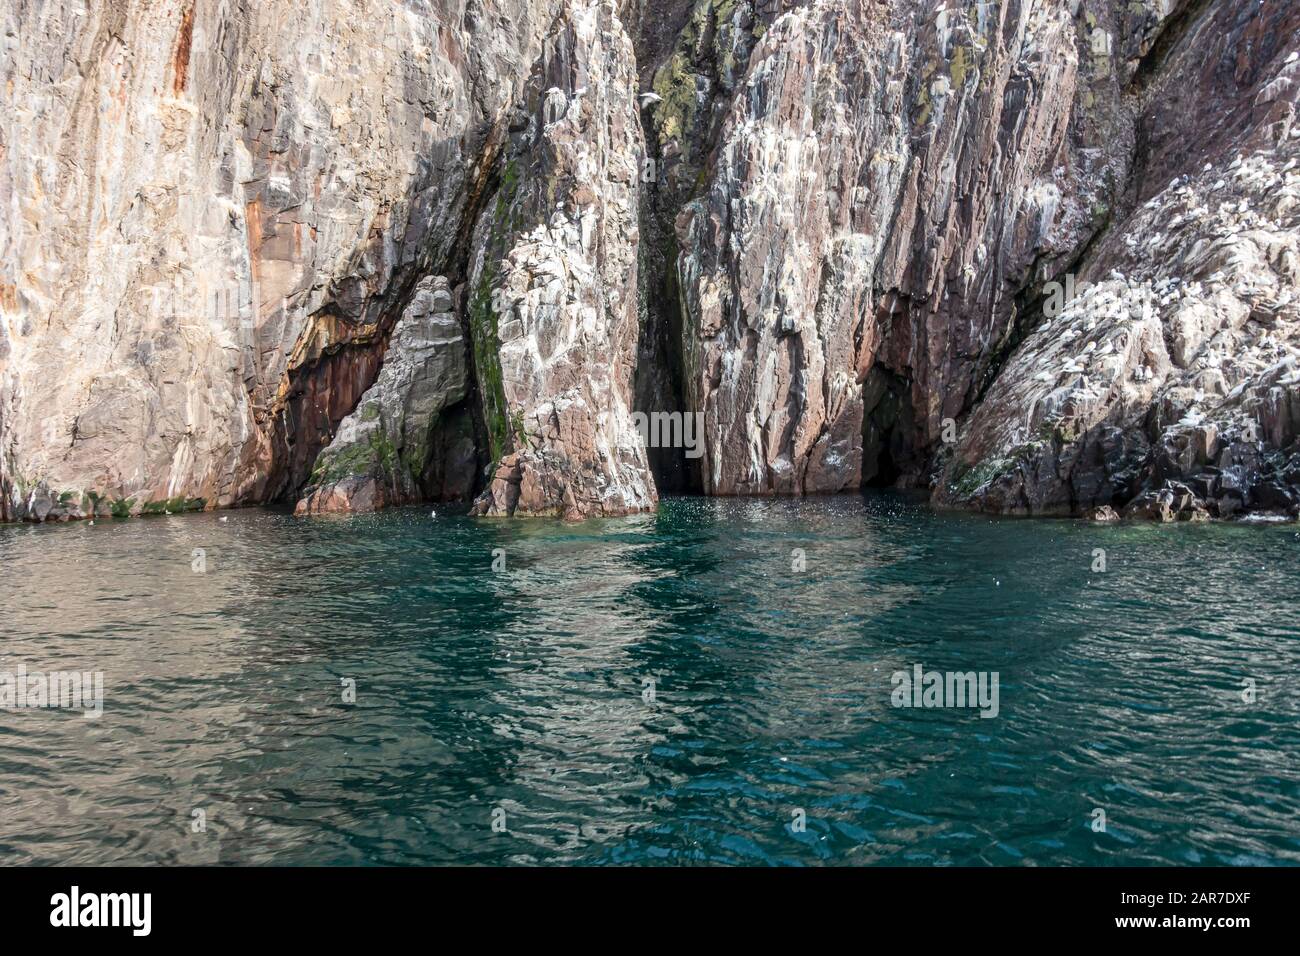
[[887, 179], [365, 253], [214, 214]]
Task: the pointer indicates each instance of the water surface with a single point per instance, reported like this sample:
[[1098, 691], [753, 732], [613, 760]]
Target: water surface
[[520, 695]]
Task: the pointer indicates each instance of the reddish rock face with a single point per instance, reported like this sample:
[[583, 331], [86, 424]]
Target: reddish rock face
[[388, 450], [215, 213], [347, 496], [883, 186]]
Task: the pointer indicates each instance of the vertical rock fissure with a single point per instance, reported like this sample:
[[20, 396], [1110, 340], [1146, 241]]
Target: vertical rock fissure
[[1172, 32], [690, 56], [660, 382], [891, 456]]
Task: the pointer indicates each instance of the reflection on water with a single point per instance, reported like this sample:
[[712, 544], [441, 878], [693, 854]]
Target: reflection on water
[[658, 689]]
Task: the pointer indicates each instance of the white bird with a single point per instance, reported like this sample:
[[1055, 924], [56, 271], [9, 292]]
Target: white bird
[[433, 514], [650, 99]]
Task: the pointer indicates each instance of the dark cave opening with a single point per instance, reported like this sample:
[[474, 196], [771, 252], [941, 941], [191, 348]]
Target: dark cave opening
[[889, 454], [886, 471], [659, 388]]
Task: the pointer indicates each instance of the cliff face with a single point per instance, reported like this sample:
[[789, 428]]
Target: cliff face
[[883, 185], [214, 213], [1167, 383], [363, 253]]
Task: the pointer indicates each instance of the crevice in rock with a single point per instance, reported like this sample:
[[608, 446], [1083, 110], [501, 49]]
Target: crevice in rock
[[1029, 302], [683, 84], [487, 185], [319, 394], [891, 457], [454, 460], [659, 385]]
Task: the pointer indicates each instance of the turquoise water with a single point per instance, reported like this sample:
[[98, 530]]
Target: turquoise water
[[521, 695]]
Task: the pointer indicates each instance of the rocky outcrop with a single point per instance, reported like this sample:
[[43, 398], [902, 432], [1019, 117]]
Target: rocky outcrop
[[1166, 378], [1037, 257], [554, 302], [411, 438]]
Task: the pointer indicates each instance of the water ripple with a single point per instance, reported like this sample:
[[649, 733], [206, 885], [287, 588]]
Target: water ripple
[[659, 689]]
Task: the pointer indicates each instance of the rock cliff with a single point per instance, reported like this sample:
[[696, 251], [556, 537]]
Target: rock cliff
[[1036, 257], [1164, 377]]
